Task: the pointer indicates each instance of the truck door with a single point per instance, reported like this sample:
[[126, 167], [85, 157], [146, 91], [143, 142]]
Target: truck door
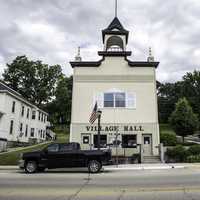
[[53, 159]]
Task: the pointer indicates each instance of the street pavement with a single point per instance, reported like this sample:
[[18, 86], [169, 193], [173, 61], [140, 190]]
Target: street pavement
[[150, 184]]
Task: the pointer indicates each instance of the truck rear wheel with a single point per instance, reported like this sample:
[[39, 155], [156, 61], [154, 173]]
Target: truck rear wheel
[[31, 167], [94, 166]]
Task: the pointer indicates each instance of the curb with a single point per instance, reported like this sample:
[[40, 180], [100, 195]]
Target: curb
[[14, 167], [143, 168]]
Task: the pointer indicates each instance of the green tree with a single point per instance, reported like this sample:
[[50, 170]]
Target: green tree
[[64, 99], [168, 95], [191, 89], [32, 79], [183, 120], [60, 108]]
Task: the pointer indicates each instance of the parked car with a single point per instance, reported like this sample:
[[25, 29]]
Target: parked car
[[64, 156]]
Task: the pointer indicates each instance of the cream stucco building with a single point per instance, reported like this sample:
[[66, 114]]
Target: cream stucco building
[[125, 92]]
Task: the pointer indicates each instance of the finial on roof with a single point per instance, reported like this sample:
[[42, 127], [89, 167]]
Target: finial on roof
[[78, 56], [115, 8], [150, 57]]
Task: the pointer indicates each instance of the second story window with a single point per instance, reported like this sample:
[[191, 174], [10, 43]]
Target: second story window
[[22, 111], [11, 127], [113, 100], [28, 110], [33, 114], [13, 107]]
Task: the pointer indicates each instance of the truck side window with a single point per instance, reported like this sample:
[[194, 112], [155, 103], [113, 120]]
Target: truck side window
[[66, 147], [53, 148]]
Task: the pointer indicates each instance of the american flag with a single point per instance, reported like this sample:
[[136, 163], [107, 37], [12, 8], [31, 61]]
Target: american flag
[[94, 114]]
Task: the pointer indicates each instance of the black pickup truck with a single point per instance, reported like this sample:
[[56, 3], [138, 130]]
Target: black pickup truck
[[64, 156]]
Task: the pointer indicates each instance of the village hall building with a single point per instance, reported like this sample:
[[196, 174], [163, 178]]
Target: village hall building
[[125, 92]]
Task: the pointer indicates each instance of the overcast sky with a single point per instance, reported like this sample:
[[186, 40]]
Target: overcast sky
[[51, 30]]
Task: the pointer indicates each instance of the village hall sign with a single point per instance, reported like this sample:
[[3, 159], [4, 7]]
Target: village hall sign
[[114, 128]]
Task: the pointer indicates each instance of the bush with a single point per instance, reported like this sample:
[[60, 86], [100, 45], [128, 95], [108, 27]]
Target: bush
[[177, 154], [193, 158], [168, 139], [194, 150]]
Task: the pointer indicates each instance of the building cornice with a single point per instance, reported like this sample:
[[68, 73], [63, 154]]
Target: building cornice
[[114, 54]]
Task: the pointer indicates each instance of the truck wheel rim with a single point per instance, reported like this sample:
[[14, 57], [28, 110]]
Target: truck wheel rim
[[94, 167], [30, 167]]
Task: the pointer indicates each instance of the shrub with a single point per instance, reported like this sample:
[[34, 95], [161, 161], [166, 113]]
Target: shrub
[[178, 153], [194, 150], [168, 139], [193, 158]]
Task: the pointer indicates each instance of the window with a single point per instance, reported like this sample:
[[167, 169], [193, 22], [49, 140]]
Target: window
[[21, 128], [53, 148], [66, 147], [44, 118], [120, 100], [115, 100], [22, 111], [11, 127], [27, 113], [129, 141], [13, 107], [32, 132], [38, 115], [33, 114], [86, 139], [44, 134], [109, 100], [147, 140], [103, 141], [26, 131]]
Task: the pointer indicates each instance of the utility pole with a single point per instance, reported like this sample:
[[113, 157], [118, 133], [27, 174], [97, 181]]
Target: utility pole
[[99, 128]]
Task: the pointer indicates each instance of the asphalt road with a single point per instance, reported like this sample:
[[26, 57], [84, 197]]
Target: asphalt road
[[172, 184]]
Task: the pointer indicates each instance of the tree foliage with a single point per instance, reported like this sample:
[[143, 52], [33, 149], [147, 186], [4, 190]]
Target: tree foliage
[[32, 79], [60, 108], [183, 120], [169, 93]]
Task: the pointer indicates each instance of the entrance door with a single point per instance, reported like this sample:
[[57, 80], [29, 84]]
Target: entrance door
[[147, 144]]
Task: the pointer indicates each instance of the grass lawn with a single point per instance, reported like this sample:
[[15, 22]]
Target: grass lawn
[[11, 158]]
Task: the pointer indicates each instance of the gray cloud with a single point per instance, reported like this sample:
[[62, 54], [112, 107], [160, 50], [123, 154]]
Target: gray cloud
[[51, 31]]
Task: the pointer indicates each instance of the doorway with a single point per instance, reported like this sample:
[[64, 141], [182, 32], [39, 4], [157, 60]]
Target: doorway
[[147, 144]]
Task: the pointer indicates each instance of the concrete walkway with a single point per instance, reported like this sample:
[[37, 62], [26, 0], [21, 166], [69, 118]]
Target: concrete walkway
[[129, 167]]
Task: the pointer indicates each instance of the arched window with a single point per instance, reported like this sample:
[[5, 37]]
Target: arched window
[[114, 43]]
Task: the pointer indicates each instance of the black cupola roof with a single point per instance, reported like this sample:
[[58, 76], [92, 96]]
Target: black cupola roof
[[115, 24]]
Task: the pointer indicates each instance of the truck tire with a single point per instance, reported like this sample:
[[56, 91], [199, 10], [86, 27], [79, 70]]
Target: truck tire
[[94, 166], [30, 167]]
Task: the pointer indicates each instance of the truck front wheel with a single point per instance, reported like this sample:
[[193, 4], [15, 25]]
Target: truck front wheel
[[94, 166], [31, 167]]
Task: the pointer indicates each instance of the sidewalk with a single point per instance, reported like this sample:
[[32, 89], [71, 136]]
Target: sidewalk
[[128, 167], [144, 166]]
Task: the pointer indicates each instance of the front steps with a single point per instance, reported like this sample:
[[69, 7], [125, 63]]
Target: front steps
[[151, 159]]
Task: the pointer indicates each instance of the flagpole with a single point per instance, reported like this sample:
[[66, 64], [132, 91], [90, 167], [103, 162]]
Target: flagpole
[[99, 128]]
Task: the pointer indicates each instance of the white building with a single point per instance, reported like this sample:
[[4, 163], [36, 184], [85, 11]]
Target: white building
[[20, 120], [125, 91]]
